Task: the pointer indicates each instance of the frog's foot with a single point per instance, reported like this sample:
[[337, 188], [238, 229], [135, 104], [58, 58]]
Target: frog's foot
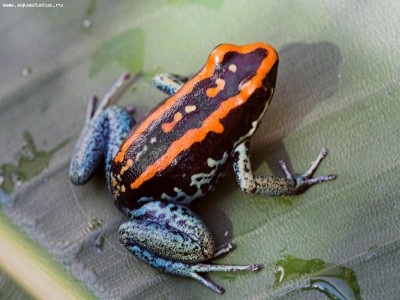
[[103, 133], [304, 181], [168, 83], [270, 185], [174, 240]]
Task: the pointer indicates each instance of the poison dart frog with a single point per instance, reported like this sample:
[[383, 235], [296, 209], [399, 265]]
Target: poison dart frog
[[178, 153]]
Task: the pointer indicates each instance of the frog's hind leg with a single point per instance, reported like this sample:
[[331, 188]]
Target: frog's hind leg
[[169, 83], [172, 239], [104, 131], [190, 270]]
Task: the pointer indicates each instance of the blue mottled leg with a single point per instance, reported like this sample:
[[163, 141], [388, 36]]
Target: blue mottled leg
[[120, 123], [174, 240], [271, 185], [169, 83], [187, 269], [105, 129]]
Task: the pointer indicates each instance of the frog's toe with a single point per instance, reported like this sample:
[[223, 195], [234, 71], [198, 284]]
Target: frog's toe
[[204, 268], [305, 180]]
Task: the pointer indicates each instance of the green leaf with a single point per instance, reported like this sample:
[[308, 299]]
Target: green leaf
[[127, 48], [336, 282]]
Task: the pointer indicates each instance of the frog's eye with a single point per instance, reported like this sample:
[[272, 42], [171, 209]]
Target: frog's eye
[[229, 56]]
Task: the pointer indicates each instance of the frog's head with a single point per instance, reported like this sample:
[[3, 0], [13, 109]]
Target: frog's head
[[242, 71], [241, 83]]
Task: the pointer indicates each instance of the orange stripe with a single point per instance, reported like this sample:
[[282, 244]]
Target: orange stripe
[[211, 123], [186, 89], [215, 57]]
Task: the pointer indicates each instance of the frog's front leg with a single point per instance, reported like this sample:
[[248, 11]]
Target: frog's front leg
[[174, 240], [104, 131], [169, 83], [270, 185]]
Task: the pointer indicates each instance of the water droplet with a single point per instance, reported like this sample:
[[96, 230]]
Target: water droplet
[[26, 71], [87, 23], [334, 281], [30, 163]]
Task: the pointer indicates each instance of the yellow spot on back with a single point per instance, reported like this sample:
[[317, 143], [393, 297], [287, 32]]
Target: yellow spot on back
[[113, 180], [177, 117], [212, 92], [167, 127], [190, 108], [232, 68], [128, 164]]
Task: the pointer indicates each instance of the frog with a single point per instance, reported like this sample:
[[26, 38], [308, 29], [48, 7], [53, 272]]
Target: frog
[[180, 151]]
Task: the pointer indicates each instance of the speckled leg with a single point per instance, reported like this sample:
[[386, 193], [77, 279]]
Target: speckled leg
[[223, 249], [172, 239], [104, 131], [270, 185], [169, 83]]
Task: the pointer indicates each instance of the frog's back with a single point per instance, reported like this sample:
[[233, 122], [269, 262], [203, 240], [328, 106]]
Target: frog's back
[[182, 148]]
